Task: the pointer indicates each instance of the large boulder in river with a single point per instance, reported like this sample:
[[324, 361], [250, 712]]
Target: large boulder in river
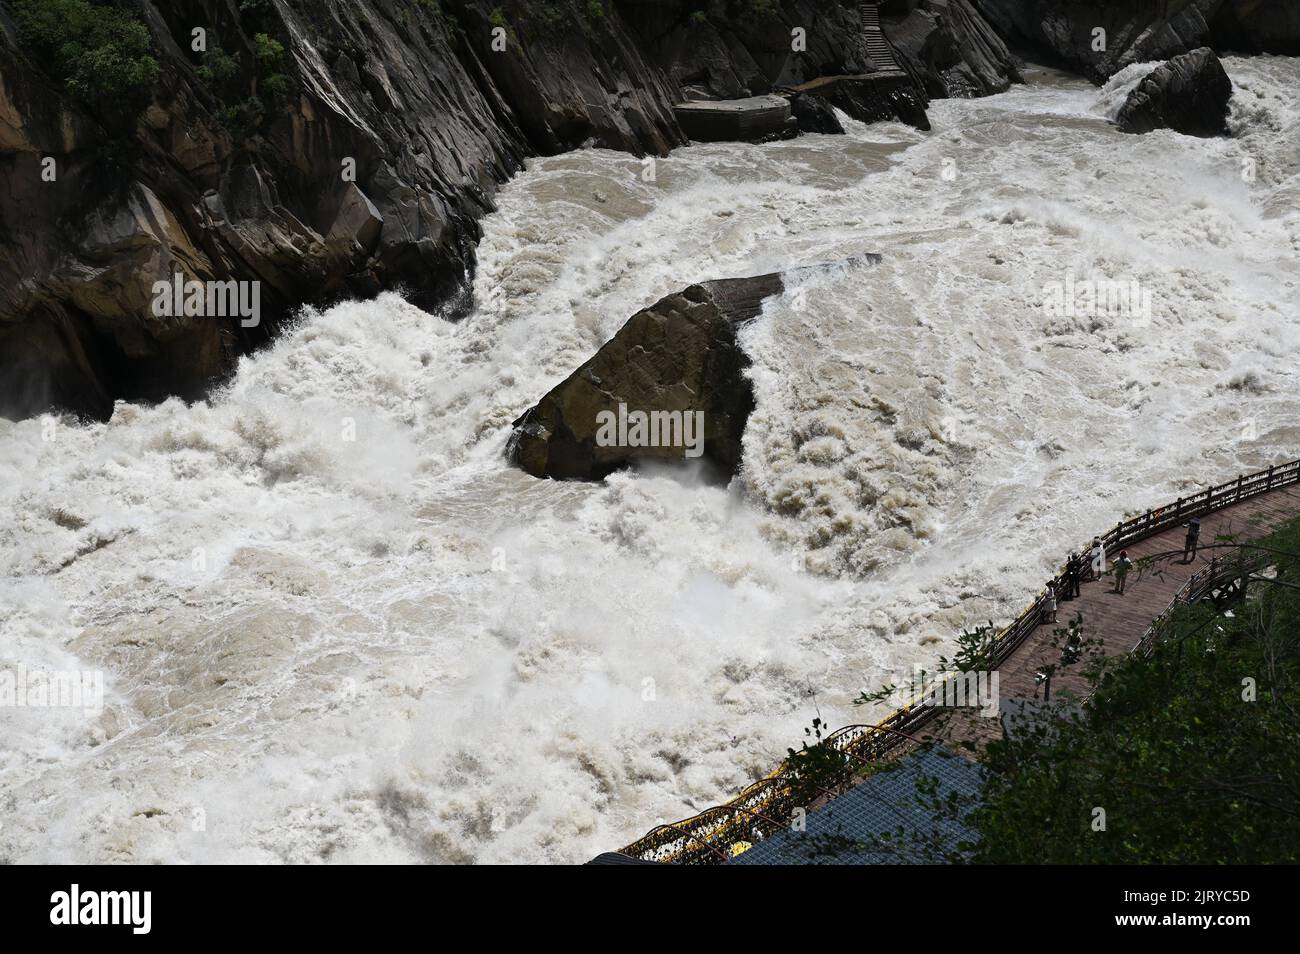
[[1189, 94], [671, 385], [677, 363]]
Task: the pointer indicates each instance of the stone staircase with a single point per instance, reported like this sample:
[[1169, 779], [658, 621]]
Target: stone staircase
[[878, 48]]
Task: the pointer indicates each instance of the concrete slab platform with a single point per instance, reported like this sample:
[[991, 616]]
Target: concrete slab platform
[[735, 120]]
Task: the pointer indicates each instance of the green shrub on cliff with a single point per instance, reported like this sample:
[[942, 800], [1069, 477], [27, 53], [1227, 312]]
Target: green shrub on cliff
[[435, 11], [242, 108], [99, 49], [270, 57], [552, 15], [218, 70]]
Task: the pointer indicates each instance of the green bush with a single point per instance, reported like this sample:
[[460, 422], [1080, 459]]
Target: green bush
[[270, 56], [218, 71], [241, 112], [99, 49]]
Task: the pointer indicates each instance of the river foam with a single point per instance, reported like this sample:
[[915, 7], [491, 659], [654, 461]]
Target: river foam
[[336, 626]]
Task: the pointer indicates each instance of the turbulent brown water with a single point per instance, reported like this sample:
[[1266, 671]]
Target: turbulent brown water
[[398, 648]]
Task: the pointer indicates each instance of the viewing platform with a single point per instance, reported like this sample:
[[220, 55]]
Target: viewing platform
[[1250, 507]]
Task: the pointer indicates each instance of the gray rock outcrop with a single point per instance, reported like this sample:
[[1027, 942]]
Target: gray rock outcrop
[[679, 357], [1189, 94], [815, 114], [329, 149], [677, 365], [1137, 31]]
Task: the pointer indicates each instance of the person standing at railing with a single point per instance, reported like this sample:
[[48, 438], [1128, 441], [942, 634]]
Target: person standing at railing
[[1049, 603], [1073, 571], [1122, 566], [1098, 556], [1193, 535]]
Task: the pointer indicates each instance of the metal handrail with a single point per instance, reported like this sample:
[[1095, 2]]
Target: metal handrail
[[1196, 588], [872, 742]]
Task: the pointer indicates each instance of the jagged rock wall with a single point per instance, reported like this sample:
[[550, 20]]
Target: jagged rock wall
[[949, 46], [719, 50], [1142, 30], [430, 114], [712, 51], [240, 174]]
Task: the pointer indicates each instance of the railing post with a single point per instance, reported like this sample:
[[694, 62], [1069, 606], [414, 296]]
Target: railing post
[[1240, 477], [1269, 485], [1178, 509]]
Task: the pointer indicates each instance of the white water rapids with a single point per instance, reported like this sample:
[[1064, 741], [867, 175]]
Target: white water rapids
[[399, 648]]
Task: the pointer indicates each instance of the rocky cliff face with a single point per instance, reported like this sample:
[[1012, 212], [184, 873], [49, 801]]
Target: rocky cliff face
[[950, 48], [1136, 31], [327, 148], [323, 148]]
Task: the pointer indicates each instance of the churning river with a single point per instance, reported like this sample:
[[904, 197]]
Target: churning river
[[335, 625]]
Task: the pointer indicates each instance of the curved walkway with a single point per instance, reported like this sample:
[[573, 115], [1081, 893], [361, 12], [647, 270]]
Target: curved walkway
[[1118, 622], [1244, 509]]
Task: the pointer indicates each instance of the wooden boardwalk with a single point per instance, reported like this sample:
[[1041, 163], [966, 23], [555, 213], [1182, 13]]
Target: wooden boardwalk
[[1118, 621], [1242, 509]]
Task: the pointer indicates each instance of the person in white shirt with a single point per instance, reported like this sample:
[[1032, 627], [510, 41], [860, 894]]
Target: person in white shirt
[[1098, 558]]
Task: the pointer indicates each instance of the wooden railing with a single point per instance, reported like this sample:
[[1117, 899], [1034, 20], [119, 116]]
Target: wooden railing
[[767, 805], [1219, 574]]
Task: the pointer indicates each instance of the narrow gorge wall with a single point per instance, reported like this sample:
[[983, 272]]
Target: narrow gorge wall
[[1135, 31], [329, 148]]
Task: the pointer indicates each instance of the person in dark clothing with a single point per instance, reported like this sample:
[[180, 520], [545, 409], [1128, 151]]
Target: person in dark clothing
[[1073, 570], [1193, 535]]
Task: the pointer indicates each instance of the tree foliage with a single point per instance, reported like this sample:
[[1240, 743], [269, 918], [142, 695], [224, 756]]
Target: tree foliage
[[99, 49]]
